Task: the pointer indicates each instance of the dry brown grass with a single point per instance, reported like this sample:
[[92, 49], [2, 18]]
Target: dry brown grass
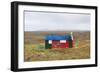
[[33, 51]]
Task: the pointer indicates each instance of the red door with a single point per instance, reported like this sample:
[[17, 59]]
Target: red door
[[67, 44]]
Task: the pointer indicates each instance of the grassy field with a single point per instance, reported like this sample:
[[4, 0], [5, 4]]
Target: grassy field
[[34, 48]]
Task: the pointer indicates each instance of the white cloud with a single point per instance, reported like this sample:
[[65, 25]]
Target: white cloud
[[36, 21]]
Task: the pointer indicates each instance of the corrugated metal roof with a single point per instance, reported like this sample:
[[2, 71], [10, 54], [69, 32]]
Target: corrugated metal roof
[[58, 37]]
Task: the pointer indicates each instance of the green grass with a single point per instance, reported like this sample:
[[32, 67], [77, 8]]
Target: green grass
[[34, 52]]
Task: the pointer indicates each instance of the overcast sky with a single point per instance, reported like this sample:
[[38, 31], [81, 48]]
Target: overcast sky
[[46, 21]]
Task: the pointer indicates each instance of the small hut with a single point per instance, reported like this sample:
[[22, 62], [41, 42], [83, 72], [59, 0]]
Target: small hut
[[58, 41]]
